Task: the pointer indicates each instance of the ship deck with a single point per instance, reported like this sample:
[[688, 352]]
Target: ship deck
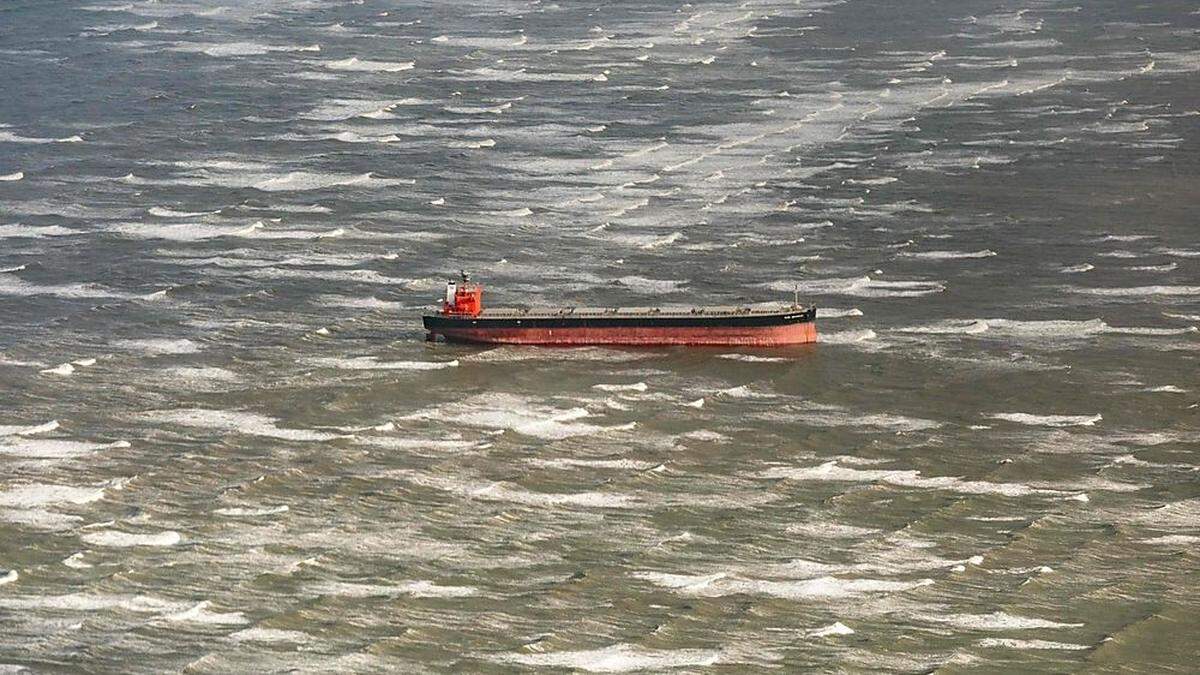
[[637, 312]]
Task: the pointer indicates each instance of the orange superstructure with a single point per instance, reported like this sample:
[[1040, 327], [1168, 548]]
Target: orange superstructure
[[463, 298]]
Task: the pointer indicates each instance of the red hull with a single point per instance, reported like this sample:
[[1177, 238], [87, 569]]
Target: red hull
[[762, 336]]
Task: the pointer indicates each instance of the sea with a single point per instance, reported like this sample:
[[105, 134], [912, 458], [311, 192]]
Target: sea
[[227, 447]]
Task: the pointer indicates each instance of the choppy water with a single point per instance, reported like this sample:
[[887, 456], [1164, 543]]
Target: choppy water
[[226, 448]]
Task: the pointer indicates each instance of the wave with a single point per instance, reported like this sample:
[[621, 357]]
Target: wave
[[116, 539], [750, 358], [200, 232], [1053, 329], [10, 137], [163, 212], [651, 286], [847, 337], [864, 287], [833, 472], [637, 386], [7, 577], [744, 391], [353, 64], [38, 494], [1013, 643], [234, 421], [17, 231], [53, 448], [721, 584], [301, 180], [1178, 252], [12, 176], [836, 628], [619, 658], [416, 589], [159, 346], [996, 621], [1077, 269], [1169, 267], [239, 511], [872, 181], [478, 110], [833, 313], [28, 430], [473, 145], [258, 634], [520, 415], [63, 369], [948, 255], [233, 49], [1048, 420], [199, 613], [371, 363]]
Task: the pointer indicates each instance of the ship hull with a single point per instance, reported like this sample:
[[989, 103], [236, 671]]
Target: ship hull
[[785, 328]]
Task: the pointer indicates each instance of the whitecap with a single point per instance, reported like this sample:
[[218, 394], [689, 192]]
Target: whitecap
[[719, 585], [1048, 420], [199, 613], [354, 64], [33, 495], [118, 539], [750, 358], [234, 421], [1189, 541], [948, 255], [473, 145], [997, 621], [8, 577], [832, 472], [62, 369], [416, 589], [10, 177], [637, 386], [240, 511], [744, 391], [651, 286], [258, 634], [837, 628], [848, 337], [159, 346], [371, 363], [832, 313], [75, 561], [53, 448], [864, 286], [28, 430], [34, 231], [1140, 291], [1077, 269], [163, 212], [619, 658], [520, 415], [1013, 643]]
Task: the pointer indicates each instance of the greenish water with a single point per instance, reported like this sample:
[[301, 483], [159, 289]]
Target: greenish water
[[226, 447]]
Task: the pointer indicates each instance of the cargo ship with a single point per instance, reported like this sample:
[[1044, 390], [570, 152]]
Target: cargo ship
[[463, 318]]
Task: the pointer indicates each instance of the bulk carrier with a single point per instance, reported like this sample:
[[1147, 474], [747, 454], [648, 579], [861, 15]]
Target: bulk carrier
[[462, 318]]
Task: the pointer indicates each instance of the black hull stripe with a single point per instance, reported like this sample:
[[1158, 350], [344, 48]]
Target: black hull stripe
[[437, 321]]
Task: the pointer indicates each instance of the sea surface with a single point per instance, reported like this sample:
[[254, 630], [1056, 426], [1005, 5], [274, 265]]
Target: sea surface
[[225, 445]]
